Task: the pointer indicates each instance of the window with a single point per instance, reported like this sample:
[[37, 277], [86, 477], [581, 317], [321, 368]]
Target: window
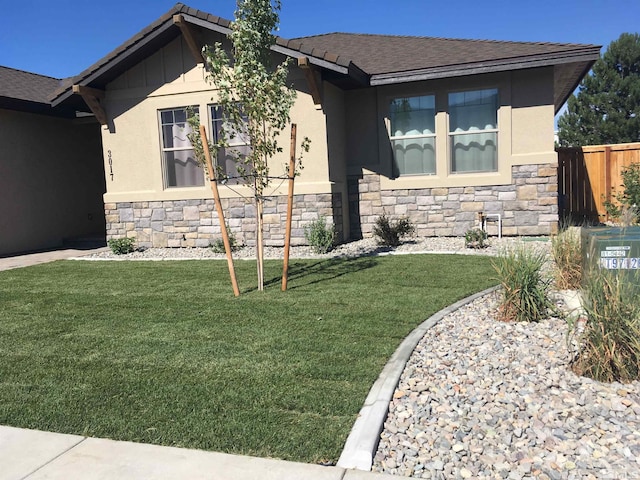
[[413, 135], [473, 131], [227, 158], [181, 169]]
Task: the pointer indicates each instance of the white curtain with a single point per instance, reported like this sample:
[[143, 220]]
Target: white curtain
[[415, 156], [476, 152], [471, 114], [413, 117], [182, 168]]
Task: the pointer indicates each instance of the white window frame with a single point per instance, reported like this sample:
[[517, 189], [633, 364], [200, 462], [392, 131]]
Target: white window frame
[[164, 150], [451, 135], [433, 135], [234, 142]]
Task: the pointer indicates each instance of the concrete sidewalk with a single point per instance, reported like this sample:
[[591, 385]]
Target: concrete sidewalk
[[28, 259], [36, 455]]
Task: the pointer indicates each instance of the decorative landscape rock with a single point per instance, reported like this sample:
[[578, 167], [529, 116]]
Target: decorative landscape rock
[[485, 399], [351, 249]]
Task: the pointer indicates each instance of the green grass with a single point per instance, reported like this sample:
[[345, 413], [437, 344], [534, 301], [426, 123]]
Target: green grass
[[161, 352]]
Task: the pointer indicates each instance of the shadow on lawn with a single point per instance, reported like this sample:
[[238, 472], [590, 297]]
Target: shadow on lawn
[[305, 274]]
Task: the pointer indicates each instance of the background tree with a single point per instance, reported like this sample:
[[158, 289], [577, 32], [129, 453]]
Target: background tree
[[606, 108], [255, 101]]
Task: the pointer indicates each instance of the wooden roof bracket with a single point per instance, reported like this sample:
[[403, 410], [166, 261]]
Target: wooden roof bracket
[[191, 37], [93, 98], [313, 79]]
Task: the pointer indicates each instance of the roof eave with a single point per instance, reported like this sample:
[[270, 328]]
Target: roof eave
[[104, 67], [584, 71], [590, 54], [29, 106]]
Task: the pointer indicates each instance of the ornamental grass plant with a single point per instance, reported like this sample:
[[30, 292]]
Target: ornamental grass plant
[[525, 291], [567, 255], [611, 338]]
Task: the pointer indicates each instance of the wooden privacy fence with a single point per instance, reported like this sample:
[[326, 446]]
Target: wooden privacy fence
[[587, 177]]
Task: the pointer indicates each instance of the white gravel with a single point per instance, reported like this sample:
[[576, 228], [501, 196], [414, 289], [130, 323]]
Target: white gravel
[[367, 246], [485, 399]]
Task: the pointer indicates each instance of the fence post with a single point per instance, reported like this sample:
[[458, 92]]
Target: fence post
[[607, 177]]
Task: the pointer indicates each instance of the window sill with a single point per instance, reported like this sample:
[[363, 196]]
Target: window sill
[[466, 179]]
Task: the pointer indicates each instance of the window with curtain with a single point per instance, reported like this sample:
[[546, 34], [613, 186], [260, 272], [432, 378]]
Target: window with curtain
[[228, 158], [473, 131], [181, 169], [413, 135]]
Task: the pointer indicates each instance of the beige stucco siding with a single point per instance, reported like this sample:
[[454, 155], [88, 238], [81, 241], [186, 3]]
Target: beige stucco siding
[[172, 79], [532, 113], [333, 106], [51, 182], [525, 128]]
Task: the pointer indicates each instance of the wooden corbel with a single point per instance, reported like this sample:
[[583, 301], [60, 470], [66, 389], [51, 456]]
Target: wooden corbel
[[191, 37], [312, 76], [93, 98]]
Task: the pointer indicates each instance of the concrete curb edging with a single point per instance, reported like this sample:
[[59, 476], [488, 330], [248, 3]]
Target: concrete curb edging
[[362, 443]]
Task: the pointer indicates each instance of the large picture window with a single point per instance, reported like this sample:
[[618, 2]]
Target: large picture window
[[228, 158], [413, 135], [181, 169], [473, 131]]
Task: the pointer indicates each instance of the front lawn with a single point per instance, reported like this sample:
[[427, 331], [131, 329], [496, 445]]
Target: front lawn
[[161, 352]]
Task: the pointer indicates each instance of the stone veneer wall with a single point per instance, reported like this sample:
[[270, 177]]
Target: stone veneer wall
[[529, 206], [194, 223]]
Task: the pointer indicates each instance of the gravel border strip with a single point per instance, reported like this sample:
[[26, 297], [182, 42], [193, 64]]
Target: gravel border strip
[[362, 443]]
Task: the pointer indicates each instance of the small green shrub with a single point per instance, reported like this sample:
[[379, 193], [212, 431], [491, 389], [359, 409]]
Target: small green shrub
[[389, 233], [217, 246], [475, 238], [320, 235], [567, 255], [122, 246], [611, 338], [525, 293]]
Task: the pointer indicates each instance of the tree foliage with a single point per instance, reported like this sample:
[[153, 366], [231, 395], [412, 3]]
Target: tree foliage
[[254, 95], [255, 101], [606, 108]]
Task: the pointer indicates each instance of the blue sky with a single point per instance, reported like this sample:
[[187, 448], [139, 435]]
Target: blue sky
[[60, 38]]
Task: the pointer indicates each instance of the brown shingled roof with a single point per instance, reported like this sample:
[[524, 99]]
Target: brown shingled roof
[[357, 60], [30, 92], [383, 54], [27, 86]]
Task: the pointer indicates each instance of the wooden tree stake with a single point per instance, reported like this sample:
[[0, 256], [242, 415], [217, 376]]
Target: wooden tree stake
[[216, 197], [292, 176]]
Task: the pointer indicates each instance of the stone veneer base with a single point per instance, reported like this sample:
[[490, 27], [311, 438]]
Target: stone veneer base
[[528, 206], [194, 223]]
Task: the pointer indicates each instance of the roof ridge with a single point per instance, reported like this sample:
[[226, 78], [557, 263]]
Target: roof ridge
[[453, 39]]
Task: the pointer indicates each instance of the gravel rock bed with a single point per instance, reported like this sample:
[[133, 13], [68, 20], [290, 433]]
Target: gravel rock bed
[[486, 399], [367, 246]]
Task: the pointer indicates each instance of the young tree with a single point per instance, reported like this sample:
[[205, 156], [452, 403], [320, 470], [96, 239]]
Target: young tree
[[255, 101], [606, 108]]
